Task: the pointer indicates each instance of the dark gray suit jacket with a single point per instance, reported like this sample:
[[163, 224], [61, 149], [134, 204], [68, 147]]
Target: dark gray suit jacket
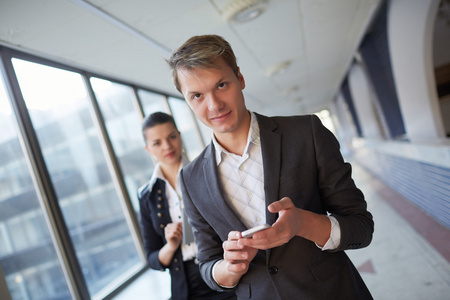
[[301, 160]]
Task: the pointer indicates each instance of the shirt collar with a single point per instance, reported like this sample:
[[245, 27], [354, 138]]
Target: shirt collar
[[253, 137]]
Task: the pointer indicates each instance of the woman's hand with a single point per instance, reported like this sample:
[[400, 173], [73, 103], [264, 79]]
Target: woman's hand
[[173, 233]]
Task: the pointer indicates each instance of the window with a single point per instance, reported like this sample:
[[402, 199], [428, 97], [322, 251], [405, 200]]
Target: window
[[61, 115], [206, 132], [152, 102], [123, 124], [187, 125], [325, 117], [28, 257]]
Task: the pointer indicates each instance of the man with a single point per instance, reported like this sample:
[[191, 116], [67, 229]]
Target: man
[[284, 171]]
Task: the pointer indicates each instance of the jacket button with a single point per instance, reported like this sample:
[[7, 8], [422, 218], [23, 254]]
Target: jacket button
[[160, 192], [177, 269], [159, 199], [161, 225], [175, 260], [159, 215], [273, 270], [159, 206]]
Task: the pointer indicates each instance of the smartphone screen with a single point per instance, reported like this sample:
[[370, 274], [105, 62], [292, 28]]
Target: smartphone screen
[[249, 232]]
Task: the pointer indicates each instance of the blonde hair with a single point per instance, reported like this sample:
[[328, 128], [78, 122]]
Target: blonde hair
[[201, 52]]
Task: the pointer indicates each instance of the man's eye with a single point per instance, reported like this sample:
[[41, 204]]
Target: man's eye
[[196, 96], [221, 85]]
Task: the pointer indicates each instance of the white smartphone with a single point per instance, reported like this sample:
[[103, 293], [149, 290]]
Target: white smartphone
[[249, 232]]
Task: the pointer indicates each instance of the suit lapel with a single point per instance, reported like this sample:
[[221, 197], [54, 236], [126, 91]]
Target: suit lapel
[[211, 181], [271, 155]]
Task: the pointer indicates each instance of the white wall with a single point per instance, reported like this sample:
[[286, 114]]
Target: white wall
[[410, 33], [364, 104], [343, 123]]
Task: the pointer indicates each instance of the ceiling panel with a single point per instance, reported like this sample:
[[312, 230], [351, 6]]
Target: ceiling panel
[[118, 37]]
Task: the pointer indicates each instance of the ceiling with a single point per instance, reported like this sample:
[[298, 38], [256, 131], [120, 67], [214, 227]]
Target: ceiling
[[130, 39]]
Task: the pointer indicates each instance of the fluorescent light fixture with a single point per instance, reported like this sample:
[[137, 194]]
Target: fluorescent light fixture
[[290, 91], [122, 25], [241, 11], [278, 68]]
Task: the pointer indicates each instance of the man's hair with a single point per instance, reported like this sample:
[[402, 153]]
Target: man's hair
[[154, 119], [201, 52]]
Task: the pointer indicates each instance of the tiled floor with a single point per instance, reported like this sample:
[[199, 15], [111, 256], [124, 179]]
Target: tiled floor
[[401, 263], [151, 285], [408, 258]]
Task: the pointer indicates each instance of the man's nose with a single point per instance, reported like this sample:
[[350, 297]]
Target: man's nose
[[214, 102]]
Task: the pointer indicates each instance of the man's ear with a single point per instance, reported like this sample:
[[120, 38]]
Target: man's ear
[[241, 79]]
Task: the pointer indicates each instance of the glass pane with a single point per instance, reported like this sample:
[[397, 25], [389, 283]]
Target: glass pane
[[152, 102], [124, 129], [186, 124], [27, 254], [327, 120], [59, 109], [206, 132]]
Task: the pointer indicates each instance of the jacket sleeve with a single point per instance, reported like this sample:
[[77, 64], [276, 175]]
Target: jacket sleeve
[[208, 242], [341, 197], [152, 240]]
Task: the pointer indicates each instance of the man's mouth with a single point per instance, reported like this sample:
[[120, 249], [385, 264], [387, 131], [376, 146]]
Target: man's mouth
[[220, 117]]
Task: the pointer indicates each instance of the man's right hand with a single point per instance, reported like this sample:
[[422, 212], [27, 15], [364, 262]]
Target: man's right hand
[[236, 261]]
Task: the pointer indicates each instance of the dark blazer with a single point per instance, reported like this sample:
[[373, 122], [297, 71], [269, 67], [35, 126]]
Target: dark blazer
[[154, 217], [301, 160]]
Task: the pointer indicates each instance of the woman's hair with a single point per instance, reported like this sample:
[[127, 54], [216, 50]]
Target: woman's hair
[[154, 119], [200, 52]]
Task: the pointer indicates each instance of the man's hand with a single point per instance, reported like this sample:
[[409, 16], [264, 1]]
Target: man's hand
[[236, 260], [291, 221]]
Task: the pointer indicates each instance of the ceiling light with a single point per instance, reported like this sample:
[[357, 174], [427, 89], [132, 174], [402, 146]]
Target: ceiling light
[[290, 91], [278, 68], [120, 24], [241, 11]]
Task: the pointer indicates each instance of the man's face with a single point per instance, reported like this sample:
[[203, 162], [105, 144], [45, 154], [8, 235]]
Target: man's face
[[215, 96]]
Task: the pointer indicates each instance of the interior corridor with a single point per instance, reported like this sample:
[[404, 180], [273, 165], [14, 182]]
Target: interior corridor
[[407, 259]]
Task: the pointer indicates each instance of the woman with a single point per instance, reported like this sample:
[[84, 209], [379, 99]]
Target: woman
[[162, 213]]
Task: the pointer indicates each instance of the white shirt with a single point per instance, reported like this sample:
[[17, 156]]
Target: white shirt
[[176, 206], [242, 180]]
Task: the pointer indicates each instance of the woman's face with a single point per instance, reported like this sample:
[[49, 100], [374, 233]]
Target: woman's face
[[164, 143]]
